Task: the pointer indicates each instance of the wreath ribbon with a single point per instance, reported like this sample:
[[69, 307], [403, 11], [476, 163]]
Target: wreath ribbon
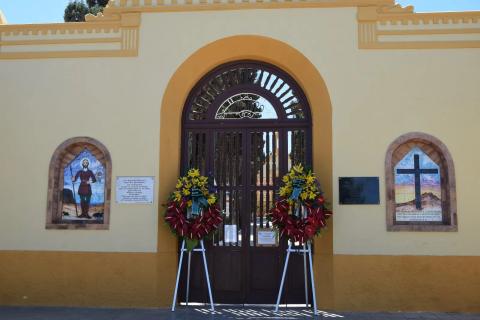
[[198, 199], [297, 186]]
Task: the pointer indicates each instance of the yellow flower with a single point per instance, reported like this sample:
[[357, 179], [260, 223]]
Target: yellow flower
[[303, 195], [179, 184], [310, 179], [186, 192], [285, 178], [298, 168], [193, 173], [285, 191], [211, 199], [189, 203], [177, 196]]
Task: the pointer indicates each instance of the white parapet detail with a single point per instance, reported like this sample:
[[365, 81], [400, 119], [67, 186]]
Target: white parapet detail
[[396, 27], [115, 35], [381, 25]]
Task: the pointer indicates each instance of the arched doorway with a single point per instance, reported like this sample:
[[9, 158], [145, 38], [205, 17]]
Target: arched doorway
[[244, 124]]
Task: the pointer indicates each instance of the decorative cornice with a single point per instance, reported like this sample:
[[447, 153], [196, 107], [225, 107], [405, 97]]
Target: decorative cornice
[[395, 27], [115, 35], [394, 9], [116, 32], [381, 25], [115, 6]]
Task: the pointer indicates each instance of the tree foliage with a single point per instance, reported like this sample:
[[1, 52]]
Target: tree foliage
[[95, 3], [75, 12], [77, 9], [95, 9]]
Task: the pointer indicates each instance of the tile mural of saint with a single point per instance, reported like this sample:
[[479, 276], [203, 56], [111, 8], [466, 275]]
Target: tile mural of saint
[[417, 188], [83, 190]]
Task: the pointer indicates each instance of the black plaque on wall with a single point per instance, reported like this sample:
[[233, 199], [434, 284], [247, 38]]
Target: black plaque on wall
[[359, 190]]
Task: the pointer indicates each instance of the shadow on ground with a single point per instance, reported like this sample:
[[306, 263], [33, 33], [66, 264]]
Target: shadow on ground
[[194, 313]]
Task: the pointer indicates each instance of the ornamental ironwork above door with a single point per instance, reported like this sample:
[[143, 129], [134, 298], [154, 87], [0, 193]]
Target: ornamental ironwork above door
[[247, 91]]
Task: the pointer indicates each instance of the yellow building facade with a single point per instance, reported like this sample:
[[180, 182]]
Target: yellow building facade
[[371, 71]]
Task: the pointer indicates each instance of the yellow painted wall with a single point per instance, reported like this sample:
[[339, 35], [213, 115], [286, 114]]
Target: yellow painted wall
[[46, 102], [406, 283], [85, 279], [375, 97], [392, 93], [372, 92]]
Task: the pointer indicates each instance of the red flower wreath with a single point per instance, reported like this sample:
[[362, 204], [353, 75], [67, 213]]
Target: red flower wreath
[[300, 189], [191, 194]]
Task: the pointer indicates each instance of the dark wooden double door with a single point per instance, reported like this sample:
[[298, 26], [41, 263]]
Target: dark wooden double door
[[246, 165]]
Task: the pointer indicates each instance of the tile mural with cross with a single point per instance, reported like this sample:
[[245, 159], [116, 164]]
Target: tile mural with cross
[[417, 188]]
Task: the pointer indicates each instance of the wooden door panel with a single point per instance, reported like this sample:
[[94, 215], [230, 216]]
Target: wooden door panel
[[264, 271], [227, 270]]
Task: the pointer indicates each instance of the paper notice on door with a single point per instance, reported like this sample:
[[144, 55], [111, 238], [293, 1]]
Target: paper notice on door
[[230, 234], [267, 238]]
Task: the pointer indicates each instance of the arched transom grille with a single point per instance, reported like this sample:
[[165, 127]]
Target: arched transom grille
[[247, 91]]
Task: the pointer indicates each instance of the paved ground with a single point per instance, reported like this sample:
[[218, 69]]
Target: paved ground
[[197, 313]]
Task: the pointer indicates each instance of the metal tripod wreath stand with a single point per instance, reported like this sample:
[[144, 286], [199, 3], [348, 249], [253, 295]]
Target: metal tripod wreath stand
[[183, 250], [307, 250]]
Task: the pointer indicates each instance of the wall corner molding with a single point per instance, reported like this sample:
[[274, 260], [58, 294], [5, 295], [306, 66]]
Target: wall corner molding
[[397, 27], [110, 35]]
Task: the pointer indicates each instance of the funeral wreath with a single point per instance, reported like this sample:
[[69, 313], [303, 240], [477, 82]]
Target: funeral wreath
[[192, 211], [300, 212]]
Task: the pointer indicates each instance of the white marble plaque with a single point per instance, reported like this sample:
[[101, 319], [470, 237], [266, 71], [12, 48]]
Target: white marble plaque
[[135, 190]]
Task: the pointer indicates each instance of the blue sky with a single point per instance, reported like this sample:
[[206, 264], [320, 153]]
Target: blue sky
[[39, 11], [425, 163]]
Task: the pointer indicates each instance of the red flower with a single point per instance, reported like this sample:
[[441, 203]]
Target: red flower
[[299, 229], [197, 228]]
